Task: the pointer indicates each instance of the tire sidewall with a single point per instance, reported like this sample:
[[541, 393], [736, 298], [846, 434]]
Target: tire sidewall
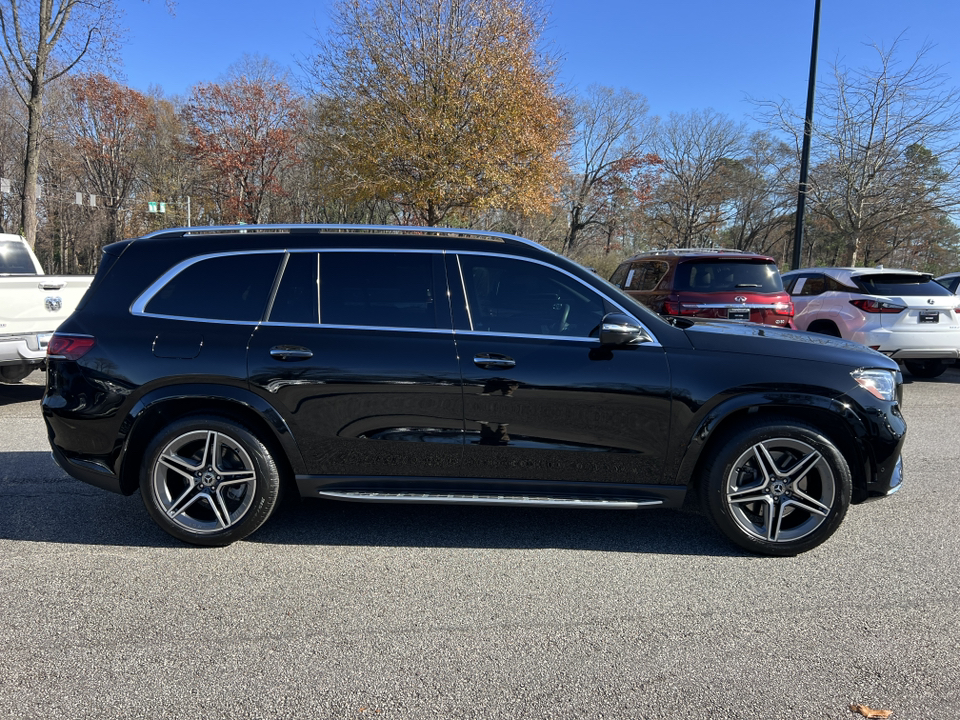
[[267, 486], [728, 449]]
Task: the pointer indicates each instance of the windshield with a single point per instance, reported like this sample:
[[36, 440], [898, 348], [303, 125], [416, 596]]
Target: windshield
[[904, 284], [728, 276], [15, 259]]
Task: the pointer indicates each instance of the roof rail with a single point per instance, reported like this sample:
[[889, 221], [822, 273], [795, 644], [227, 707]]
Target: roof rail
[[690, 251], [385, 229]]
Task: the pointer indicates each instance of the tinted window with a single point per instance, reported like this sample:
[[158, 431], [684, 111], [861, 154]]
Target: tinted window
[[905, 284], [232, 287], [812, 285], [15, 259], [656, 269], [619, 275], [514, 296], [645, 275], [378, 290], [727, 276], [297, 299]]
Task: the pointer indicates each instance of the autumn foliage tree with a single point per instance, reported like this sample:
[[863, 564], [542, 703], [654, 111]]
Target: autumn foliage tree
[[108, 123], [442, 106], [243, 133]]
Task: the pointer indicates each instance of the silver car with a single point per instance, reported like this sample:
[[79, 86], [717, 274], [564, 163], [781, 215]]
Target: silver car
[[904, 314]]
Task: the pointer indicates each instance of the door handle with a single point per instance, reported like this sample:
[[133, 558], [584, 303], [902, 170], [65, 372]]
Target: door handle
[[290, 353], [493, 361]]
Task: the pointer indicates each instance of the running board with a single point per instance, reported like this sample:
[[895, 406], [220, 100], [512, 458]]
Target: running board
[[477, 499]]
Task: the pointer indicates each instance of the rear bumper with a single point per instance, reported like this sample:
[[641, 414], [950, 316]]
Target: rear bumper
[[911, 344], [87, 471], [30, 349]]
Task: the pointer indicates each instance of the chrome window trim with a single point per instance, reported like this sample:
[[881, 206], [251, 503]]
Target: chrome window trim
[[384, 328], [137, 308]]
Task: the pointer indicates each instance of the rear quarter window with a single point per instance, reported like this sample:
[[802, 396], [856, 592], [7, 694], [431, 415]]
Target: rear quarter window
[[229, 287]]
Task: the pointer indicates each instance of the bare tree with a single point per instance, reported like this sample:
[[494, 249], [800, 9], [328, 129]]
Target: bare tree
[[761, 194], [885, 149], [690, 203], [42, 41], [612, 132]]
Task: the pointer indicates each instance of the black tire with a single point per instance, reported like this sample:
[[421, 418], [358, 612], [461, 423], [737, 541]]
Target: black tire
[[776, 486], [926, 368], [203, 501]]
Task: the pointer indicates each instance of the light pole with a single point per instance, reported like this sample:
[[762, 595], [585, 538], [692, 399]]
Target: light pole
[[807, 132]]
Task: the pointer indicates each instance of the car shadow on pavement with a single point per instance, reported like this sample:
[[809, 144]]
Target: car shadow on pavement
[[10, 394], [329, 522], [40, 503]]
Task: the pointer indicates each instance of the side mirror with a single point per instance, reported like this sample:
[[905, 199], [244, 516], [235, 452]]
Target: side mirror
[[620, 329]]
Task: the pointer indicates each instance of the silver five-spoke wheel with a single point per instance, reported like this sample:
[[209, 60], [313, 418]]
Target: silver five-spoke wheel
[[204, 481], [209, 480], [775, 486], [780, 489]]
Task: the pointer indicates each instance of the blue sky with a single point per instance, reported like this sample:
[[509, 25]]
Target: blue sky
[[681, 54]]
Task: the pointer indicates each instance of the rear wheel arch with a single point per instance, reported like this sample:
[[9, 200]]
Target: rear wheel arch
[[162, 412], [824, 327]]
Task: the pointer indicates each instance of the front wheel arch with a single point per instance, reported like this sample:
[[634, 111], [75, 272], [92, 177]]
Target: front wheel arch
[[775, 486]]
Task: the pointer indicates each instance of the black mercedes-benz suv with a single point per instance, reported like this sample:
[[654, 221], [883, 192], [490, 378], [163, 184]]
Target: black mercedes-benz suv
[[210, 367]]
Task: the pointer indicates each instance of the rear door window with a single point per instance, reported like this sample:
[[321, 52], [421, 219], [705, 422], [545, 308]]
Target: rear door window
[[383, 289]]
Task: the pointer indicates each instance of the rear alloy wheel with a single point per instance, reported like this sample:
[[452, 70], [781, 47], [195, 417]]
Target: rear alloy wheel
[[209, 481], [776, 487], [926, 368]]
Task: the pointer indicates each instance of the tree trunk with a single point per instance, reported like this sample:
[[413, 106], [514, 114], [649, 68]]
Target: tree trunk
[[31, 163]]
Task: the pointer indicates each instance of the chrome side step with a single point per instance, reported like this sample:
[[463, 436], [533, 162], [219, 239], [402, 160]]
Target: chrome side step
[[478, 499]]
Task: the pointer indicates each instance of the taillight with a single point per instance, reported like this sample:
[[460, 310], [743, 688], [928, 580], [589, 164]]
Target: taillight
[[70, 347], [876, 306], [783, 308], [671, 308]]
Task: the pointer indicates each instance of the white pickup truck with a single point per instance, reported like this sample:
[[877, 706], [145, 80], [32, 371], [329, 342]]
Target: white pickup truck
[[32, 305]]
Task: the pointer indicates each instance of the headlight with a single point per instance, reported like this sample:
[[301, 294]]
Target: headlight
[[880, 383]]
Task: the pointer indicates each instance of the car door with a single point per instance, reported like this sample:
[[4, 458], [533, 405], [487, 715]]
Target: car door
[[542, 399], [357, 355]]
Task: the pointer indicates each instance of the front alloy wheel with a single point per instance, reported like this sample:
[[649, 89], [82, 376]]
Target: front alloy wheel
[[777, 489], [209, 481]]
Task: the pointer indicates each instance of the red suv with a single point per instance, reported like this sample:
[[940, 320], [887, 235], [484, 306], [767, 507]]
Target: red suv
[[708, 283]]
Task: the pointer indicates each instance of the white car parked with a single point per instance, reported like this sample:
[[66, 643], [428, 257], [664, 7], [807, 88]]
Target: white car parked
[[904, 314]]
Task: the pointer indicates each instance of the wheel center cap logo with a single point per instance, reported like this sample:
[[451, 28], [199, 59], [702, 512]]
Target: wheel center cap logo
[[208, 479], [778, 488]]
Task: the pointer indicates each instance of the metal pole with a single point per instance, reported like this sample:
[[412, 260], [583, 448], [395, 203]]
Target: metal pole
[[807, 132], [189, 223]]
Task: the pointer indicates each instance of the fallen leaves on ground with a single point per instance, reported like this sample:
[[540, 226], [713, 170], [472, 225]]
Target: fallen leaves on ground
[[869, 712]]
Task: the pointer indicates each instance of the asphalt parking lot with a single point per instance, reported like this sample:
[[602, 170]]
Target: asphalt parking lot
[[340, 610]]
